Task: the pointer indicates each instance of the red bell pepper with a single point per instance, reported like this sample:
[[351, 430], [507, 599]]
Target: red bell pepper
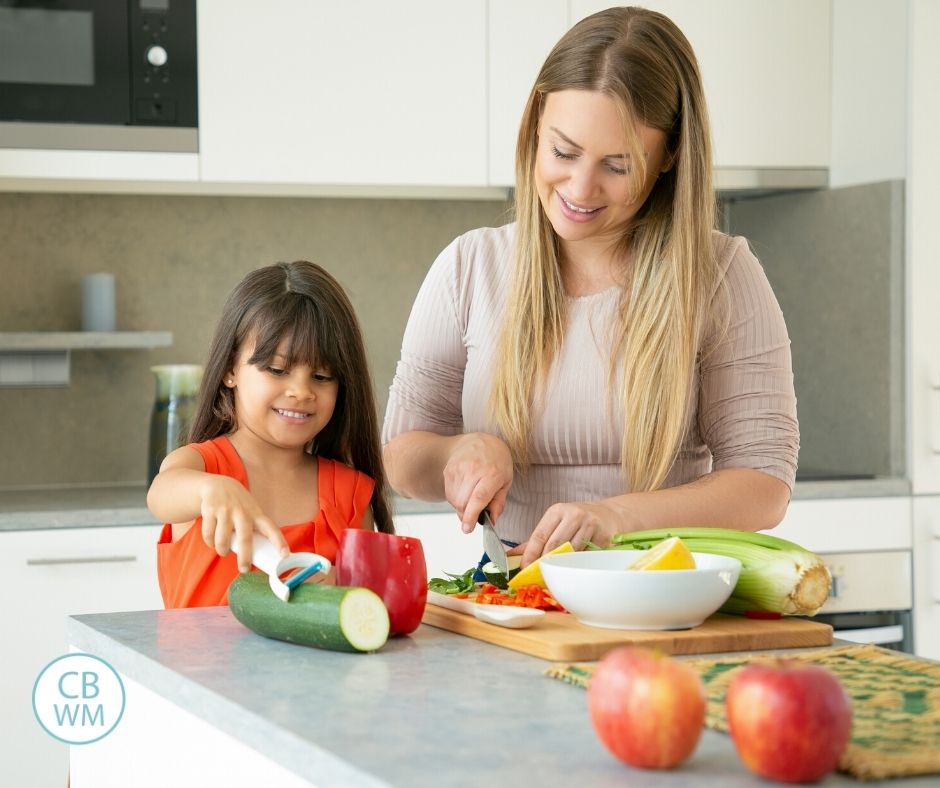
[[392, 566]]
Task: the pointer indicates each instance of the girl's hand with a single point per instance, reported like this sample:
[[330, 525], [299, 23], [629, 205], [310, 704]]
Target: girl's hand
[[477, 475], [578, 523], [228, 509]]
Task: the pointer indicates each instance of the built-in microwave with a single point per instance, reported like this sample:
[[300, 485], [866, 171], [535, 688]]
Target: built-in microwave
[[98, 74]]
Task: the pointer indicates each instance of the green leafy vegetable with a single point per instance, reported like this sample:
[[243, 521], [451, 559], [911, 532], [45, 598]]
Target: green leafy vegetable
[[457, 584]]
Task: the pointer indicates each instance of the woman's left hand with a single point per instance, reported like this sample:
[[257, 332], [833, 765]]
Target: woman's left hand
[[578, 523]]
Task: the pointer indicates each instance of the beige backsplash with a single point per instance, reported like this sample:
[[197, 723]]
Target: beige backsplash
[[174, 260]]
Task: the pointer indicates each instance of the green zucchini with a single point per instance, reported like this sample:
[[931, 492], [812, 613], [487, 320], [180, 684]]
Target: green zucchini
[[325, 616], [494, 575]]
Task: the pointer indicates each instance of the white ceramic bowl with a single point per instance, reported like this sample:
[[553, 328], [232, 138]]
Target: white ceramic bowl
[[598, 588]]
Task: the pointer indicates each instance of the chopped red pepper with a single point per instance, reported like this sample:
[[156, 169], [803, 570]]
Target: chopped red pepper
[[533, 596]]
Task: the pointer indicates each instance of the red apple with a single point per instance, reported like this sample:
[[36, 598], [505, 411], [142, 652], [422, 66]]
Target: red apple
[[646, 708], [789, 721]]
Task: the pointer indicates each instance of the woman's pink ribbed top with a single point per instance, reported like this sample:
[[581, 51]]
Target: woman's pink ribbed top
[[745, 414]]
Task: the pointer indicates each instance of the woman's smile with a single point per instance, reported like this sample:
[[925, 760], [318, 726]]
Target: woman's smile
[[576, 212]]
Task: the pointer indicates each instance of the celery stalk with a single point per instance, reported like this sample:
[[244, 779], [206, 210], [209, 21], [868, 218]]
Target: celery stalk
[[777, 575]]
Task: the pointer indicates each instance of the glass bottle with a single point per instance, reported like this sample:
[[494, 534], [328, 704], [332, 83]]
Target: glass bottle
[[173, 410]]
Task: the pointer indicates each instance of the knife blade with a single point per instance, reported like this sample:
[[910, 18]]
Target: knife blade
[[492, 544]]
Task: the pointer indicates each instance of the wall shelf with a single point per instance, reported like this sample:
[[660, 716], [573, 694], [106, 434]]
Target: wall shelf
[[42, 358]]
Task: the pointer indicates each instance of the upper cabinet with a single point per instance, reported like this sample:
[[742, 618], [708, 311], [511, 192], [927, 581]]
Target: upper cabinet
[[521, 34], [767, 72], [370, 97], [765, 64], [359, 92]]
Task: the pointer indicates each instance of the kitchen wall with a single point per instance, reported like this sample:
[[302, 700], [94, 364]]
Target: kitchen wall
[[835, 260], [175, 259]]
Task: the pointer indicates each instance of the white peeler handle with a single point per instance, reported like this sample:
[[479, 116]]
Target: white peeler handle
[[264, 554]]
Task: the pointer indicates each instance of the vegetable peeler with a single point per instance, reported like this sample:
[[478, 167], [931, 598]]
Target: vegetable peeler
[[266, 557]]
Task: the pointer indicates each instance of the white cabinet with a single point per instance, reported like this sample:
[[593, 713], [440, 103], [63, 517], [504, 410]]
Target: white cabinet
[[923, 255], [49, 575], [446, 547], [60, 170], [841, 525], [360, 92], [766, 67], [767, 72], [923, 288], [362, 96], [927, 576], [521, 34]]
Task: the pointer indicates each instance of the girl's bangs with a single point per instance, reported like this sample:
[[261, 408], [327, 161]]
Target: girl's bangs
[[308, 338]]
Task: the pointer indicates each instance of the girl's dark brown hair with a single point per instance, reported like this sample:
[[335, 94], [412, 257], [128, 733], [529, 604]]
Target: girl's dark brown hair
[[303, 303]]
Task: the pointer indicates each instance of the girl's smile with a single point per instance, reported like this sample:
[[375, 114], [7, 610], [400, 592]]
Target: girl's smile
[[295, 416]]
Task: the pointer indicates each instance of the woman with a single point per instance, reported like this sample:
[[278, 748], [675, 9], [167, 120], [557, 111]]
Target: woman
[[609, 362]]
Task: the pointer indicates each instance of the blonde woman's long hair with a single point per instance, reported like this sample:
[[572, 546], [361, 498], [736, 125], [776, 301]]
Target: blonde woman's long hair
[[642, 61]]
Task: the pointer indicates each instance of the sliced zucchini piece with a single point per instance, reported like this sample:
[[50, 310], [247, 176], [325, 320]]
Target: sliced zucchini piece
[[494, 575]]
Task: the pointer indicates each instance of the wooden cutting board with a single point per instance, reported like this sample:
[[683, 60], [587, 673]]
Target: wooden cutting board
[[560, 637]]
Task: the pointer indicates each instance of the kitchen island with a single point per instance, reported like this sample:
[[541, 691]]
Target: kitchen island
[[210, 703]]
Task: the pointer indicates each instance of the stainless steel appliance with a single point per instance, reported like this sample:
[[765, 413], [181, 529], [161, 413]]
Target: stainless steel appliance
[[871, 598], [98, 74]]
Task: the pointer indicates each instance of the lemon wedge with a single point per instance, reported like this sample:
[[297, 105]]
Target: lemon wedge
[[532, 574], [670, 553]]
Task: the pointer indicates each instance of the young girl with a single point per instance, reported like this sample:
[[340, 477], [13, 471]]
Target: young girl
[[285, 414]]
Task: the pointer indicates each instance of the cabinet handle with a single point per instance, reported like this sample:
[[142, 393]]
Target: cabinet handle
[[836, 588], [889, 634], [933, 414], [933, 569], [92, 559]]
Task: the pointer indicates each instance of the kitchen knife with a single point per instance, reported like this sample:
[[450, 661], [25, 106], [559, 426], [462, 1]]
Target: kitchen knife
[[492, 544]]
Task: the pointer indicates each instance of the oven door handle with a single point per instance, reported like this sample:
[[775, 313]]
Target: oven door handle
[[877, 635]]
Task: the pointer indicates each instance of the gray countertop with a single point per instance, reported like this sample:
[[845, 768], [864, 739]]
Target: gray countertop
[[74, 507], [90, 507], [430, 709]]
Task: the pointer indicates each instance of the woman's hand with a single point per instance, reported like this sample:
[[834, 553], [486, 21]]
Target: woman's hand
[[477, 475], [578, 523], [228, 509]]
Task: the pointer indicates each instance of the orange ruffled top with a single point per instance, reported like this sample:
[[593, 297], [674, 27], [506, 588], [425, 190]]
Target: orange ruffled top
[[192, 574]]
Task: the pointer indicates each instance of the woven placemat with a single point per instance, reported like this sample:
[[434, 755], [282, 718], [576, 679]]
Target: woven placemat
[[895, 703]]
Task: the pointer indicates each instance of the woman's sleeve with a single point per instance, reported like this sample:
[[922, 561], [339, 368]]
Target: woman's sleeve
[[747, 404], [426, 391]]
